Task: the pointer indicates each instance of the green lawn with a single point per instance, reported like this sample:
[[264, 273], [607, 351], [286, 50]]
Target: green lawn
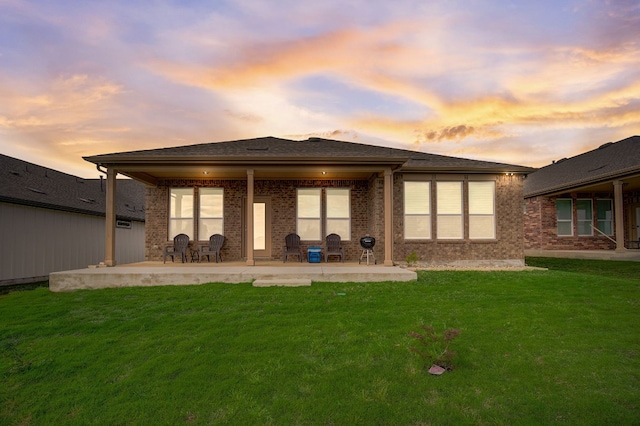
[[536, 347]]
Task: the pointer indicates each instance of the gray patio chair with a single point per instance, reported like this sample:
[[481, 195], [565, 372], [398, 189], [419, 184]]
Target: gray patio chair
[[334, 247], [179, 247], [212, 248], [291, 247]]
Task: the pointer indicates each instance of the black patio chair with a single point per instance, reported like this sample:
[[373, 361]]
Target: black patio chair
[[179, 247], [334, 247], [292, 247], [212, 248]]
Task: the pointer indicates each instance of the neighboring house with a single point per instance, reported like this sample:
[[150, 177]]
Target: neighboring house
[[587, 202], [51, 221], [257, 191]]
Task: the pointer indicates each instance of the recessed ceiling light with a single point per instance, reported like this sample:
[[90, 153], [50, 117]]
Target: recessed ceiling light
[[205, 172]]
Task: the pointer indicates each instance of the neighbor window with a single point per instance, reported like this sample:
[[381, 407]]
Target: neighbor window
[[564, 209], [482, 216], [417, 210], [605, 217], [211, 218], [309, 214], [584, 210], [339, 212], [181, 212], [449, 208]]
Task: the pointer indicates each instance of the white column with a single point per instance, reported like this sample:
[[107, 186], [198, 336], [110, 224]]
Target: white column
[[249, 215], [618, 209], [388, 218], [110, 220]]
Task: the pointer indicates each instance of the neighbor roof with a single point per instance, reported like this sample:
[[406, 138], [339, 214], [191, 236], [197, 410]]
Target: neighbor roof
[[613, 160], [29, 184], [271, 150]]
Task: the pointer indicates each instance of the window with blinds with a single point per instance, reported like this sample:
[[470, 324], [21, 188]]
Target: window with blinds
[[417, 210], [449, 224], [309, 213], [605, 217], [482, 213], [338, 220], [211, 214]]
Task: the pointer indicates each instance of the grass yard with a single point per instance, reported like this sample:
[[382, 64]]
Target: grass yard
[[536, 347]]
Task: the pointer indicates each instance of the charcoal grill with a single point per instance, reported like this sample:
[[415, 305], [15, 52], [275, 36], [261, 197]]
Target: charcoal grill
[[367, 244]]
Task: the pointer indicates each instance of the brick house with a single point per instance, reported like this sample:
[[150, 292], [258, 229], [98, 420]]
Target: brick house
[[587, 202], [256, 191]]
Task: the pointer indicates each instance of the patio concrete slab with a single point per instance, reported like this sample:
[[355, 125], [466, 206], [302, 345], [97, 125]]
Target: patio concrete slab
[[154, 274]]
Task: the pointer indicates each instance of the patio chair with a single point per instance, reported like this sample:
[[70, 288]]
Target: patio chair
[[334, 247], [212, 248], [292, 247], [179, 247]]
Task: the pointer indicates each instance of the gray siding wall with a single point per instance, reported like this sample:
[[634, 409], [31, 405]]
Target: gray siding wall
[[36, 241]]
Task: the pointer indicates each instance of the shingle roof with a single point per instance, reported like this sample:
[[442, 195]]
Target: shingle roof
[[271, 148], [610, 161], [29, 184]]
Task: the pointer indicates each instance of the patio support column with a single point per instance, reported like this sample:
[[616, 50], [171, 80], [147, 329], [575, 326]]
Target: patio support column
[[110, 220], [388, 217], [618, 210], [250, 260]]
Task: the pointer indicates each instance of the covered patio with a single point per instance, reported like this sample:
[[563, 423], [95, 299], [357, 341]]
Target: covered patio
[[263, 273]]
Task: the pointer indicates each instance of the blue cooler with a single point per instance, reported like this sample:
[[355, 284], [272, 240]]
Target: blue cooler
[[314, 254]]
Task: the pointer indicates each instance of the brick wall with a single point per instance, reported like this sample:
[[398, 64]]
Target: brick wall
[[541, 225], [508, 244], [367, 217]]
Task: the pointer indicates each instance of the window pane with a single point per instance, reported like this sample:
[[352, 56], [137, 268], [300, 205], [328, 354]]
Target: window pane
[[417, 197], [605, 226], [309, 203], [482, 227], [583, 208], [338, 203], [449, 227], [211, 202], [584, 228], [309, 229], [339, 212], [417, 227], [180, 226], [211, 213], [181, 203], [449, 196], [563, 208], [481, 197], [564, 228], [605, 212], [340, 227], [208, 227]]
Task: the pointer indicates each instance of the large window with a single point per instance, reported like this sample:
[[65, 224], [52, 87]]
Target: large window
[[584, 210], [417, 210], [605, 217], [211, 218], [309, 214], [449, 208], [482, 217], [564, 211], [339, 212], [181, 212]]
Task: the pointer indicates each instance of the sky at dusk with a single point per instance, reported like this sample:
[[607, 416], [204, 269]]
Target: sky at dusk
[[520, 82]]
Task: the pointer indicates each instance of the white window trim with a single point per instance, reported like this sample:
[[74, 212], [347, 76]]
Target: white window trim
[[172, 220], [318, 218], [201, 217]]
